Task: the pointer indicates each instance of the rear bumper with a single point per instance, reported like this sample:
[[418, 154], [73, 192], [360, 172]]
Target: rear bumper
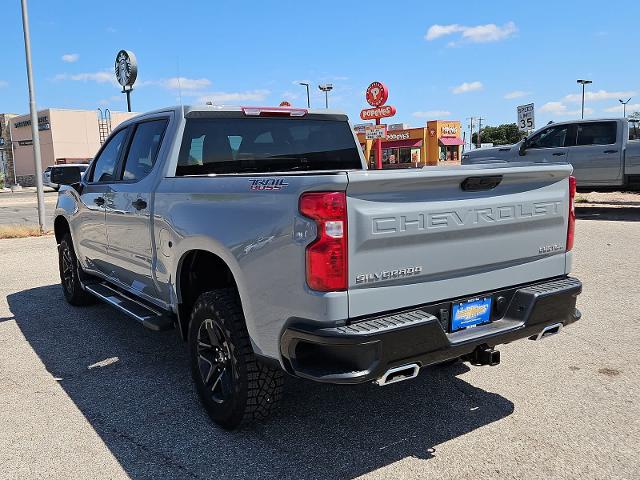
[[364, 349]]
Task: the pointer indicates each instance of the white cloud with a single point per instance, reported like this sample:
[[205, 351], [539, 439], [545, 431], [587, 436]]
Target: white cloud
[[70, 57], [516, 94], [111, 100], [598, 95], [467, 87], [437, 31], [184, 83], [4, 83], [560, 109], [631, 107], [476, 34], [225, 97], [432, 114], [105, 76]]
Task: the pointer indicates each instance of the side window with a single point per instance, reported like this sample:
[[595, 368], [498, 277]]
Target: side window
[[144, 149], [596, 133], [634, 129], [105, 164], [549, 138]]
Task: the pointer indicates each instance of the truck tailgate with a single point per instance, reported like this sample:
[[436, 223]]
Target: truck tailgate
[[417, 236]]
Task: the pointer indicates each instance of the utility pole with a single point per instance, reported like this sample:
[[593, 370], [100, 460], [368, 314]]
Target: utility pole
[[34, 117], [471, 121], [480, 130]]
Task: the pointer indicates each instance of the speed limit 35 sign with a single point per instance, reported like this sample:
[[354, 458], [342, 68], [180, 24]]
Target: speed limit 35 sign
[[526, 118]]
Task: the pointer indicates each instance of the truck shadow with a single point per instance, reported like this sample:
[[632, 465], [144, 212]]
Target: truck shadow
[[134, 388], [612, 213]]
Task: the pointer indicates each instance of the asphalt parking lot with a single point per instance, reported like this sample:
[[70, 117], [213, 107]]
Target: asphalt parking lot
[[21, 208], [86, 393]]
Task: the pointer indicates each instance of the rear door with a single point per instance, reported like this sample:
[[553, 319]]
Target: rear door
[[128, 209], [418, 237], [597, 155]]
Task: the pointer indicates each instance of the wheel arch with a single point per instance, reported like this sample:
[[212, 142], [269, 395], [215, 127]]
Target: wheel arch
[[199, 271], [61, 228]]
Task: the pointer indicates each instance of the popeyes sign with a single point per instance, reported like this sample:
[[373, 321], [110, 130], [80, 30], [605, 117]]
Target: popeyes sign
[[377, 95], [376, 113]]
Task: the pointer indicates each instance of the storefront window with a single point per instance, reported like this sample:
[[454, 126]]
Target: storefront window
[[448, 153], [396, 157]]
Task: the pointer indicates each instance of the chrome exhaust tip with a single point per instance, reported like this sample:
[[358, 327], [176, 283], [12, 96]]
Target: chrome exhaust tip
[[399, 374], [548, 331]]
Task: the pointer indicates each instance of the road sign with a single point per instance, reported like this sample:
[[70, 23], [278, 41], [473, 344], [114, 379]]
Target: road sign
[[377, 94], [379, 112], [526, 118], [374, 132]]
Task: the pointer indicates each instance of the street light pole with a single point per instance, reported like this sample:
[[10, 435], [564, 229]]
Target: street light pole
[[326, 88], [624, 107], [583, 83], [34, 117], [308, 97]]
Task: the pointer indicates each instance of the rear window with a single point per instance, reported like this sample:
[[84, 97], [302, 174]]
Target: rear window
[[634, 129], [596, 133], [239, 145]]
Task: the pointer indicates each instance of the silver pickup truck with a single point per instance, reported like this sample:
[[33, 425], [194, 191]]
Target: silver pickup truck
[[603, 153], [259, 234]]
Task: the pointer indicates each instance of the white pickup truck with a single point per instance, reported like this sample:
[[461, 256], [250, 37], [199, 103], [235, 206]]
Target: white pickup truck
[[604, 153]]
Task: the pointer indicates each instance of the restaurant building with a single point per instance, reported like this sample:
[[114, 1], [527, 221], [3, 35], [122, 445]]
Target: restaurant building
[[66, 136], [439, 143], [445, 145]]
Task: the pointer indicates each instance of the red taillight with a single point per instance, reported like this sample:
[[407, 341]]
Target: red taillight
[[572, 213], [326, 257]]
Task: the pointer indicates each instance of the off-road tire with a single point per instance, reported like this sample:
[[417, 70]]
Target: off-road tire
[[253, 388], [71, 274]]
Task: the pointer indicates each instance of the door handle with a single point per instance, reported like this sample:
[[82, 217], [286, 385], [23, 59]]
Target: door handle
[[98, 201], [139, 204], [610, 151], [558, 154]]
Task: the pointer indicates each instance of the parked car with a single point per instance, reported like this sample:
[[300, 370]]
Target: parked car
[[604, 153], [259, 234], [61, 173]]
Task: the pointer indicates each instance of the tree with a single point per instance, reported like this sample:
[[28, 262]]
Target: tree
[[635, 116], [504, 134]]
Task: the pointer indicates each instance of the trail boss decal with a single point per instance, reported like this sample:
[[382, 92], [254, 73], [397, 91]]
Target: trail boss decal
[[388, 275], [267, 184]]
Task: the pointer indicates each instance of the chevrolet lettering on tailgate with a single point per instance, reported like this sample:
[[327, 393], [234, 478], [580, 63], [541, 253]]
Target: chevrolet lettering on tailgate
[[464, 218]]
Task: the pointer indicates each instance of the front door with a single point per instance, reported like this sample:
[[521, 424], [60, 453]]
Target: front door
[[128, 210], [597, 156], [91, 233], [548, 145]]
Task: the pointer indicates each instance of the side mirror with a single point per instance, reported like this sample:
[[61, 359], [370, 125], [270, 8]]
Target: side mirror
[[523, 148], [65, 175]]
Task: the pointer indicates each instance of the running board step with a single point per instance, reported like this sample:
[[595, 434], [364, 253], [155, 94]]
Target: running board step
[[148, 316]]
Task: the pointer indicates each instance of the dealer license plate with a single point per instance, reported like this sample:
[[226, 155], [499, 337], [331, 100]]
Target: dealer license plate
[[470, 313]]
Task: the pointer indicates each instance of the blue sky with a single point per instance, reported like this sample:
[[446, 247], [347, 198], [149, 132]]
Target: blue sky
[[448, 60]]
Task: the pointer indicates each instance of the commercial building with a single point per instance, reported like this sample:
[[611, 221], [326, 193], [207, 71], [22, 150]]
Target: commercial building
[[439, 143], [445, 141], [6, 153], [66, 136]]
